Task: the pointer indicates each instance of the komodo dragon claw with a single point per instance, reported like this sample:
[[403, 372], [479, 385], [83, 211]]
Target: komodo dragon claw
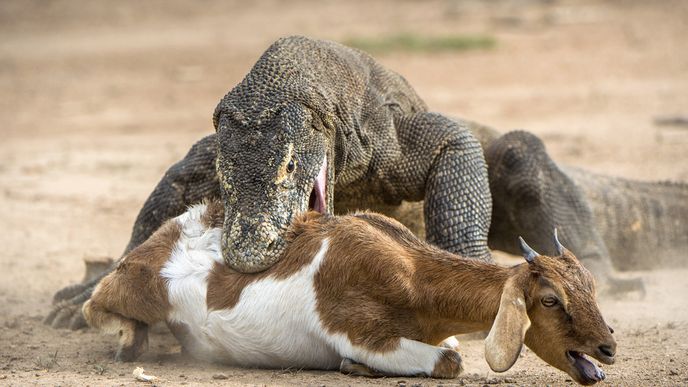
[[66, 314]]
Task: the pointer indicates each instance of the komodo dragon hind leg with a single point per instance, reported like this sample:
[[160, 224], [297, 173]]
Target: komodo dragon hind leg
[[189, 181], [531, 196]]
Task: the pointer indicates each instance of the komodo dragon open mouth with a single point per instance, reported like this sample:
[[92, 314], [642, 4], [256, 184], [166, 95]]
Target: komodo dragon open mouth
[[588, 371], [318, 199]]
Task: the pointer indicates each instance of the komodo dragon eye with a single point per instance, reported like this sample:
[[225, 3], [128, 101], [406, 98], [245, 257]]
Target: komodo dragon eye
[[291, 166], [549, 301]]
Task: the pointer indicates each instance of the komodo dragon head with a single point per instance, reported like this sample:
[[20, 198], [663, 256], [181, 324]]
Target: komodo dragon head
[[270, 168], [272, 163], [283, 136]]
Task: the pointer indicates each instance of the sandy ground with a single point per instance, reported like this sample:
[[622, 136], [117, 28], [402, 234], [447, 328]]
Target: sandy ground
[[97, 99]]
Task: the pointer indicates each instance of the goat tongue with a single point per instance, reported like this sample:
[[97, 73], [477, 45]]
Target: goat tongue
[[586, 367]]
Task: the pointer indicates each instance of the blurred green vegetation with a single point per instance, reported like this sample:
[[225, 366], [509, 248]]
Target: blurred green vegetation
[[408, 42]]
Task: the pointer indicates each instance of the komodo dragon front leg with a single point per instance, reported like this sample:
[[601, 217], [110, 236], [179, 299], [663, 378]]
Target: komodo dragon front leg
[[443, 162], [189, 181]]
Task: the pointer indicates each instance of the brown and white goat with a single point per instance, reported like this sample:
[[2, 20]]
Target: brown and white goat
[[359, 292]]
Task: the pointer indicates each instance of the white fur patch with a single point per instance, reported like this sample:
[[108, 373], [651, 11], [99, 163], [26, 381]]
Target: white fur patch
[[451, 342], [273, 325], [186, 272], [191, 221]]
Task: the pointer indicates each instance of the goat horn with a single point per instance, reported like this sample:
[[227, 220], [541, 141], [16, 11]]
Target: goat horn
[[528, 253], [557, 244]]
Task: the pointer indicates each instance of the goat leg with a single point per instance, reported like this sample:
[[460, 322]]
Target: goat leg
[[133, 335]]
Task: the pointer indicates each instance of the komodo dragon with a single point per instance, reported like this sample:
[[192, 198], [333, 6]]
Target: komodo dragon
[[319, 125]]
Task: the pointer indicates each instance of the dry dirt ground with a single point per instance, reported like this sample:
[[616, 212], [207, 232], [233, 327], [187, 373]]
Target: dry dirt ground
[[98, 98]]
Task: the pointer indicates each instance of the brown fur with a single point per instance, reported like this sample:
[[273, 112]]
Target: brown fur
[[135, 289], [350, 367], [133, 335], [380, 283], [419, 301]]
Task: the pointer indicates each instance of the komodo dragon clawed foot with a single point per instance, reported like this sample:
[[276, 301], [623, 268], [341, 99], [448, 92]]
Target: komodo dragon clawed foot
[[96, 268], [67, 314], [67, 302], [69, 292]]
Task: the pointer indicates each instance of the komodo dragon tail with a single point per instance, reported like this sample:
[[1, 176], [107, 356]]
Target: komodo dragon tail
[[644, 224]]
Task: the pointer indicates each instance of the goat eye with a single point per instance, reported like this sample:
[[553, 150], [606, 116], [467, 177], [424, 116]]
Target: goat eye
[[549, 301], [291, 166]]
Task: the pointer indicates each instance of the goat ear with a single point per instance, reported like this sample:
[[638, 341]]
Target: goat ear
[[503, 343]]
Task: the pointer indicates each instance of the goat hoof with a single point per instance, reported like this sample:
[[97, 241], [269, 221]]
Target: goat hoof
[[349, 367], [133, 343], [448, 366], [130, 353]]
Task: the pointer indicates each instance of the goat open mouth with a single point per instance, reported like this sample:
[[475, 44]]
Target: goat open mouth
[[318, 199], [587, 370]]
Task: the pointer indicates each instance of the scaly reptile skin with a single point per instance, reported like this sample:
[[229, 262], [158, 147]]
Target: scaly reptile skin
[[644, 225], [615, 223], [312, 104]]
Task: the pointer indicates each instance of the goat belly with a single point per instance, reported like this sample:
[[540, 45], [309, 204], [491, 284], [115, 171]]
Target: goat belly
[[274, 324]]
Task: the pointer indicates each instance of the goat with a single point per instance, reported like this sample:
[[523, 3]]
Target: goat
[[359, 292]]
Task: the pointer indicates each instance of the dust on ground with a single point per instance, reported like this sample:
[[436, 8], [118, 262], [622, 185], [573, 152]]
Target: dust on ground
[[97, 99]]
